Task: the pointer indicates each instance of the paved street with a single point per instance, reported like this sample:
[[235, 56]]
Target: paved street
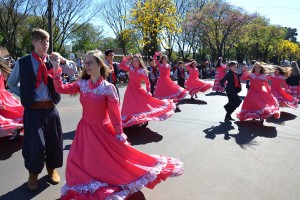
[[222, 160]]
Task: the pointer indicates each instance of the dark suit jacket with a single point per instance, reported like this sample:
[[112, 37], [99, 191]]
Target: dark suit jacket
[[230, 87]]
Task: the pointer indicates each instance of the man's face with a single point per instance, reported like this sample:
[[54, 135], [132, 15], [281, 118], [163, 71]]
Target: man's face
[[233, 68], [41, 46], [110, 56]]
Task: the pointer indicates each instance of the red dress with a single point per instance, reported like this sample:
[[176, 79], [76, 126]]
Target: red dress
[[13, 108], [138, 105], [165, 88], [99, 166], [284, 99], [220, 73], [193, 84], [259, 101]]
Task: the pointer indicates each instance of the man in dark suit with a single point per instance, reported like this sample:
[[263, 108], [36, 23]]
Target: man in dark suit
[[233, 87]]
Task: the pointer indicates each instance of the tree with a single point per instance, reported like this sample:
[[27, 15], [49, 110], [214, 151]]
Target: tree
[[286, 49], [291, 34], [115, 13], [12, 16], [86, 38], [215, 23], [151, 18]]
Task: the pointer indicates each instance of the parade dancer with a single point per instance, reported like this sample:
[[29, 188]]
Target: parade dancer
[[31, 79], [233, 87], [101, 164], [165, 87], [259, 102], [139, 106], [280, 90], [221, 71], [293, 81], [11, 110], [153, 75], [193, 84]]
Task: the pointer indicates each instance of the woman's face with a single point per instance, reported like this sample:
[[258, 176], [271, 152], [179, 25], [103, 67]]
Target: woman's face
[[257, 68], [135, 62], [276, 71], [91, 65]]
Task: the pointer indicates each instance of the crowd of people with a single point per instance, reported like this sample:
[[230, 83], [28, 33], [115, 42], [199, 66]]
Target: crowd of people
[[118, 169]]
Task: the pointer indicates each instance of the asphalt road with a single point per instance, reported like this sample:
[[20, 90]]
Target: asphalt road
[[222, 160]]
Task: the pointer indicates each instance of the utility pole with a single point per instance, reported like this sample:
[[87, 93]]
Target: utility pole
[[50, 10]]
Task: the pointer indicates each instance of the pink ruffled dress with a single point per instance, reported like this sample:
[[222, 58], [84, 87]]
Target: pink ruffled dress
[[193, 84], [13, 108], [99, 166], [259, 102], [165, 88], [220, 73], [138, 105], [278, 89]]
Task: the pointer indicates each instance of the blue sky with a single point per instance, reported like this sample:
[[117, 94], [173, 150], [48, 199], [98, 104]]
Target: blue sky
[[285, 13]]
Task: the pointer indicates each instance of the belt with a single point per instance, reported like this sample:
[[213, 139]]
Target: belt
[[42, 105]]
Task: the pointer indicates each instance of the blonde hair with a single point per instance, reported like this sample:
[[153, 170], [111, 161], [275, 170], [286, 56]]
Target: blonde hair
[[262, 69], [142, 64], [295, 68], [284, 71], [98, 55]]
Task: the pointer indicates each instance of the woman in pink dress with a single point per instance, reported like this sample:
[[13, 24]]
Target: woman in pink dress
[[11, 110], [259, 102], [280, 90], [220, 73], [101, 164], [166, 88], [139, 106], [193, 84]]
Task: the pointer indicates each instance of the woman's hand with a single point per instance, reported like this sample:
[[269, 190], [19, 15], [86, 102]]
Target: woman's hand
[[55, 60]]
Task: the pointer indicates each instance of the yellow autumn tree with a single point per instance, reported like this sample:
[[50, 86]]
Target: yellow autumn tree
[[150, 18], [286, 49]]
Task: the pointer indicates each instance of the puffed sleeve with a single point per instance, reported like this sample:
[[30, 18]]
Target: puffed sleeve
[[114, 109], [71, 88], [245, 75], [123, 65]]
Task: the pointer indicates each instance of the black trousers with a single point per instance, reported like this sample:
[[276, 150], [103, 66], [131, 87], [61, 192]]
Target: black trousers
[[180, 82], [234, 101], [152, 85], [42, 139]]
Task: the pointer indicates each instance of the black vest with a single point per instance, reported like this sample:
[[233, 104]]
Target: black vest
[[28, 80]]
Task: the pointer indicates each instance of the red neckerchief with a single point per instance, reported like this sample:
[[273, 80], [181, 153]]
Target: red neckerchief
[[42, 70]]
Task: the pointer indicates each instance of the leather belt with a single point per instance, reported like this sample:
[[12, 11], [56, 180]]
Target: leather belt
[[42, 105]]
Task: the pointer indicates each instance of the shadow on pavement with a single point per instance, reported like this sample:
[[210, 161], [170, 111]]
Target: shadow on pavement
[[138, 136], [8, 147], [137, 196], [192, 101], [23, 193], [284, 116], [249, 130], [68, 136], [216, 94], [222, 128]]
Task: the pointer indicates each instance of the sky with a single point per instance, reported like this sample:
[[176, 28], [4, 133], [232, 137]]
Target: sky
[[285, 13]]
